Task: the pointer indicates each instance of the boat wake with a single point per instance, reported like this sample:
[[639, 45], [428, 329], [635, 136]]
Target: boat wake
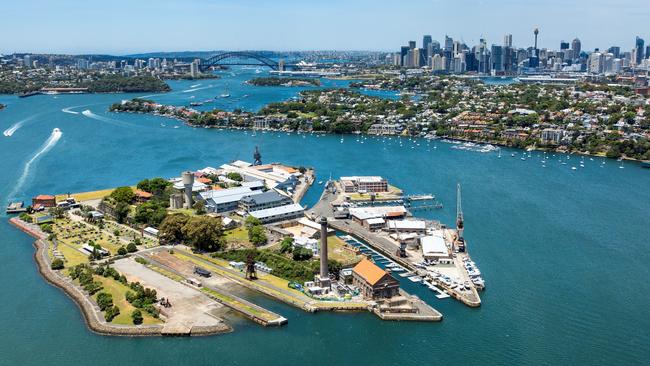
[[195, 86], [471, 146], [47, 146], [88, 113], [69, 110], [10, 131], [195, 89]]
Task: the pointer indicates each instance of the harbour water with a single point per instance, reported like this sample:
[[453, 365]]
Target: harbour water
[[564, 252]]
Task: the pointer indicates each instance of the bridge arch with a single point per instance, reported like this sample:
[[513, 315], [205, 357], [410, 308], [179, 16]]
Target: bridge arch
[[217, 59]]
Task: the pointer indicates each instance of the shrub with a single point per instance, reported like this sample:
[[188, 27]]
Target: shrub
[[122, 251], [136, 315], [25, 217], [57, 263], [111, 313], [131, 247], [141, 261], [301, 254]]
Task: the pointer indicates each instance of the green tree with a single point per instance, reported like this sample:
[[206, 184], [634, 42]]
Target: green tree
[[302, 254], [204, 233], [57, 212], [122, 211], [199, 208], [122, 250], [257, 235], [171, 228], [131, 247], [136, 316], [123, 194], [287, 245], [151, 213], [111, 313], [57, 263], [104, 300]]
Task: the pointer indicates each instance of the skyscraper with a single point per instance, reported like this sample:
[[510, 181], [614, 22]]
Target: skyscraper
[[615, 50], [507, 40], [426, 42], [449, 43], [404, 51], [576, 47], [639, 50], [564, 45], [497, 59], [411, 44]]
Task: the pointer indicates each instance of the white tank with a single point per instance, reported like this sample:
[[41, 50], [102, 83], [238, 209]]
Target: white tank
[[188, 182]]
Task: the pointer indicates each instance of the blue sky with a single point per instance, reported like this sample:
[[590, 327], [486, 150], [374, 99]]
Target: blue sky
[[128, 26]]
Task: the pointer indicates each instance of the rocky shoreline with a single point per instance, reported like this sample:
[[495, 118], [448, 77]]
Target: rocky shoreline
[[90, 311]]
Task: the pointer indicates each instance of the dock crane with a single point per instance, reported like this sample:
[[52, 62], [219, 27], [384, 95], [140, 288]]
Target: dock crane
[[460, 222]]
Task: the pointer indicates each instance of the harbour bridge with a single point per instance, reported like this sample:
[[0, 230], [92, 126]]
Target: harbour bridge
[[245, 58]]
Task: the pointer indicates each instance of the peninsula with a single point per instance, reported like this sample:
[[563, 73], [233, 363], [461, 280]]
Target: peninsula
[[586, 118], [169, 256]]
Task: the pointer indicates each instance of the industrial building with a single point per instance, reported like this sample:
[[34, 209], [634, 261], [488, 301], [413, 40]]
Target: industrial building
[[373, 282], [407, 226], [276, 214], [268, 199], [434, 247], [361, 214], [225, 200], [364, 184]]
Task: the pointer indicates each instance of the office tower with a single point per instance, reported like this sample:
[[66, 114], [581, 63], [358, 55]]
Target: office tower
[[615, 50], [639, 50], [564, 45], [426, 44], [576, 47], [596, 62], [497, 59], [647, 51], [435, 45], [507, 40], [194, 69], [403, 53], [411, 44], [449, 43]]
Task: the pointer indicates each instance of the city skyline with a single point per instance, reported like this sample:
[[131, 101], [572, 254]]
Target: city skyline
[[173, 25]]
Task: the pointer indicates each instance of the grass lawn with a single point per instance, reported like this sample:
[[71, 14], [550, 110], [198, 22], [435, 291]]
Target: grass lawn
[[237, 235], [336, 250], [72, 256], [118, 290], [86, 196]]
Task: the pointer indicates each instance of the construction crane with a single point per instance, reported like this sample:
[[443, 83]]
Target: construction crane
[[460, 222]]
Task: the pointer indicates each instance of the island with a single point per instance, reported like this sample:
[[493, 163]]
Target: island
[[173, 256], [277, 81]]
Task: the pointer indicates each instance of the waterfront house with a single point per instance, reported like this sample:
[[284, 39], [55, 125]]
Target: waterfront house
[[43, 200]]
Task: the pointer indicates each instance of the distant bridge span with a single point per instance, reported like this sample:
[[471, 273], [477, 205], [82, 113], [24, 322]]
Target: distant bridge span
[[242, 58]]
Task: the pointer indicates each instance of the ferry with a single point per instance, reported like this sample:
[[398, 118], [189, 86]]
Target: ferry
[[225, 95]]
